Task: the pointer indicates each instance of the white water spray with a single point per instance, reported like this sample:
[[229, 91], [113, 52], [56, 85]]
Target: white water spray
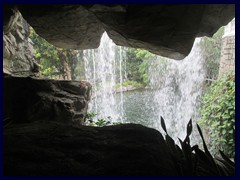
[[177, 95], [175, 88], [100, 71]]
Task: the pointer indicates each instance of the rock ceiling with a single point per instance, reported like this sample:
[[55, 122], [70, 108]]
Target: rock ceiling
[[166, 30]]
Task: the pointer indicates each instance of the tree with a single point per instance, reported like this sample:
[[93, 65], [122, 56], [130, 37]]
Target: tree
[[138, 64], [54, 62]]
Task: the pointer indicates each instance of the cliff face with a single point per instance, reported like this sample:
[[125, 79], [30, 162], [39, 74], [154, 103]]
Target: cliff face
[[18, 58]]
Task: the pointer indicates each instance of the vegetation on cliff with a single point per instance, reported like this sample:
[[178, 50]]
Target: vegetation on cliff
[[218, 114]]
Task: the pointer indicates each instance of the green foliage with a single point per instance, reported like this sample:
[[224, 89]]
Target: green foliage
[[143, 70], [53, 61], [138, 64], [143, 65], [100, 121], [118, 85], [218, 114], [142, 54], [211, 51], [132, 83]]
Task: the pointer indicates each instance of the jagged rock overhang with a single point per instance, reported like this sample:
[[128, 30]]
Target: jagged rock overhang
[[166, 30]]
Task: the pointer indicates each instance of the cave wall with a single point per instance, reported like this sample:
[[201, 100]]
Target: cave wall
[[18, 57]]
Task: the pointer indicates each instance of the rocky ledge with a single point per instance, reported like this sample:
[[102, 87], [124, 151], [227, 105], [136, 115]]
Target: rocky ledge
[[28, 99], [53, 148]]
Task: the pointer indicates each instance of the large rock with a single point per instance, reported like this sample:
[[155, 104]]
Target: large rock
[[66, 26], [28, 99], [166, 30], [50, 148], [18, 55], [53, 148]]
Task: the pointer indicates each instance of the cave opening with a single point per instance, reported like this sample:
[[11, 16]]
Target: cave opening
[[117, 85]]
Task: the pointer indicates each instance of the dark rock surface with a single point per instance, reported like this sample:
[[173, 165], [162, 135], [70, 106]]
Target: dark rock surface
[[28, 99], [166, 30], [51, 148]]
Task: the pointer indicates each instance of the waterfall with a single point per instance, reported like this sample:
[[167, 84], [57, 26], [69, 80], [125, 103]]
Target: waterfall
[[177, 91], [174, 90], [121, 83], [101, 72]]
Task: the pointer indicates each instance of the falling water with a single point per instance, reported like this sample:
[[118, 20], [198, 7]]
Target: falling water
[[100, 71], [174, 91], [121, 84], [177, 91]]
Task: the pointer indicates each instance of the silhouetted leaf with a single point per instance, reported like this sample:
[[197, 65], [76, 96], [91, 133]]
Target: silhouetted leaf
[[187, 152], [203, 156], [227, 159], [163, 124], [195, 147], [189, 127], [176, 154], [180, 141], [206, 162], [224, 167], [206, 150], [172, 147], [204, 144]]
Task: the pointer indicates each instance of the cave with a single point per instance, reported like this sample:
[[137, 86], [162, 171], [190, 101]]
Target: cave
[[44, 128]]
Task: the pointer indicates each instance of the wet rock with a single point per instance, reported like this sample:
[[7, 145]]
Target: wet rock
[[28, 99]]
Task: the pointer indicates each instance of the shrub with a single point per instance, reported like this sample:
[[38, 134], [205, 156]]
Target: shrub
[[218, 114], [132, 83], [92, 121], [117, 85]]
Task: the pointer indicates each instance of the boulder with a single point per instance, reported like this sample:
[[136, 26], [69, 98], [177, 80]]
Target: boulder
[[28, 99], [46, 148]]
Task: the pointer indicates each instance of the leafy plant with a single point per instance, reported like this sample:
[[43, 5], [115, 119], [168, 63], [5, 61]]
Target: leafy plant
[[100, 121], [118, 85], [198, 163], [218, 114], [132, 83], [90, 118]]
